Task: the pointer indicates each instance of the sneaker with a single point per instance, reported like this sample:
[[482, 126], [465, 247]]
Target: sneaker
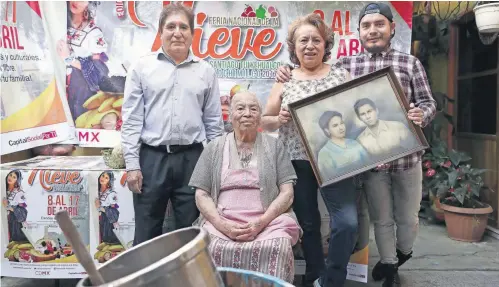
[[392, 277]]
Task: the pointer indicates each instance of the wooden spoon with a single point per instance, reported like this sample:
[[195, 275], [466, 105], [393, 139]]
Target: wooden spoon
[[79, 248]]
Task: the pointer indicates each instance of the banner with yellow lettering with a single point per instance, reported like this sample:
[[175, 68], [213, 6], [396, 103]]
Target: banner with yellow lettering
[[33, 110], [244, 41]]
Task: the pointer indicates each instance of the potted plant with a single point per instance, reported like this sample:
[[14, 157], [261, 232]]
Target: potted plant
[[449, 177], [487, 16]]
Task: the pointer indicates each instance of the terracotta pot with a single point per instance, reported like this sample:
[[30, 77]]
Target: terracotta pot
[[436, 208], [466, 224]]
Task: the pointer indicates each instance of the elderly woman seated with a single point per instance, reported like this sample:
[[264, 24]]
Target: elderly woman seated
[[244, 191]]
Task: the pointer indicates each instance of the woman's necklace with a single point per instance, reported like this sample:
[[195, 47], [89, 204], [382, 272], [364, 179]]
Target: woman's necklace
[[245, 154]]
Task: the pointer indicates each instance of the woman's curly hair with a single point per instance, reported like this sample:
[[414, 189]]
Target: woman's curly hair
[[325, 31]]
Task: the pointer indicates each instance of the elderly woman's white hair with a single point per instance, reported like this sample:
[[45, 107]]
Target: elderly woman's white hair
[[231, 106]]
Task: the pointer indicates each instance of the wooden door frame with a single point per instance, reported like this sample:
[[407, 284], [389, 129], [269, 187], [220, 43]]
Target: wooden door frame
[[452, 85]]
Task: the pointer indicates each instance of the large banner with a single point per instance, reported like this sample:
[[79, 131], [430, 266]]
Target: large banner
[[32, 107], [244, 41]]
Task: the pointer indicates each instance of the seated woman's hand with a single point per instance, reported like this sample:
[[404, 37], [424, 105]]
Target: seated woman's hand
[[251, 231], [231, 229]]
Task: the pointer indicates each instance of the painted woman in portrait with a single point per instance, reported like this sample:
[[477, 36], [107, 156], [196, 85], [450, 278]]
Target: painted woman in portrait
[[339, 154]]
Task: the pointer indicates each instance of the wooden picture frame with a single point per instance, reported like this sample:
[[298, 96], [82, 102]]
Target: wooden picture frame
[[366, 121]]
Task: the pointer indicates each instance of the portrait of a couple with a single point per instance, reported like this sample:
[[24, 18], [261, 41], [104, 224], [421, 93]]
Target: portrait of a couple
[[354, 129]]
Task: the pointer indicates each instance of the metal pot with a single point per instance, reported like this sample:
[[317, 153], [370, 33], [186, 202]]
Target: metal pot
[[178, 258]]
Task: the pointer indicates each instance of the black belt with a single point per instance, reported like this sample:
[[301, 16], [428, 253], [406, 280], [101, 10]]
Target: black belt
[[179, 148]]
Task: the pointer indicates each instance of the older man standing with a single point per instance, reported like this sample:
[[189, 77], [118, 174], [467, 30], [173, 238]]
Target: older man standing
[[172, 105], [393, 190]]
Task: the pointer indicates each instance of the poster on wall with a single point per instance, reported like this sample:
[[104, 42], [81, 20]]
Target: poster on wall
[[112, 216], [33, 245], [245, 42], [32, 110]]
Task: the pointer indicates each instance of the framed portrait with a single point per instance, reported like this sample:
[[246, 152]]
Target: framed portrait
[[356, 126]]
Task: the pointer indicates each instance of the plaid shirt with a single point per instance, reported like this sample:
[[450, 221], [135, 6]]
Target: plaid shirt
[[412, 77]]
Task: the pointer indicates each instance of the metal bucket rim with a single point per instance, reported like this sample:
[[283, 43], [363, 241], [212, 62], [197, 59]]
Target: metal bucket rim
[[256, 274], [184, 253]]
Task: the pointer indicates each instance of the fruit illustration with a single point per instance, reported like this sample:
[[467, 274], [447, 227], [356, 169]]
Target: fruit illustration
[[247, 11], [273, 11], [260, 12], [33, 113], [252, 14], [104, 111], [106, 105], [94, 101], [117, 104], [235, 90]]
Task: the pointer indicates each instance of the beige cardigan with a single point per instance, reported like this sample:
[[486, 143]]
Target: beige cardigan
[[274, 169]]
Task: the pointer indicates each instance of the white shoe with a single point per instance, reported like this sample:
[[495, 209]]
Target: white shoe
[[316, 283]]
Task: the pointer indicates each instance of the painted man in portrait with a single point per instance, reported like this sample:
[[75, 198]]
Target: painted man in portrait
[[379, 136]]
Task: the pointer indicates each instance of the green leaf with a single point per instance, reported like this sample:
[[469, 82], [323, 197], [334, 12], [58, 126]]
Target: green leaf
[[438, 151], [478, 171], [452, 177], [449, 118], [464, 157], [476, 190], [455, 157], [459, 194], [442, 189]]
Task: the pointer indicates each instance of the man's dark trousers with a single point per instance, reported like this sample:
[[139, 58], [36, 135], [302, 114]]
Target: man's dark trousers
[[166, 173]]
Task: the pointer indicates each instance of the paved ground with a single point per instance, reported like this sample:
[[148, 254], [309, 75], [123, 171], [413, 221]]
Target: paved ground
[[439, 261]]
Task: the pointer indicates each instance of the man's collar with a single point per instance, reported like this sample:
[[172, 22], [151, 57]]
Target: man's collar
[[381, 127], [190, 56], [383, 54]]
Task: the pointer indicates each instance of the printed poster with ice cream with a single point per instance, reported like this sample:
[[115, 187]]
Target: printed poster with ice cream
[[112, 216], [32, 111], [33, 245]]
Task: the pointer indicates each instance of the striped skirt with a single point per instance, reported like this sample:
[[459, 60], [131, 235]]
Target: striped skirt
[[273, 256]]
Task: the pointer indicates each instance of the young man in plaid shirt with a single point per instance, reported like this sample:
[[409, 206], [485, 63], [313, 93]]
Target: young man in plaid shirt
[[394, 189]]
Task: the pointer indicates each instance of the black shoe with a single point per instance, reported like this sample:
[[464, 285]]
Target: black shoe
[[403, 257], [392, 277], [380, 269]]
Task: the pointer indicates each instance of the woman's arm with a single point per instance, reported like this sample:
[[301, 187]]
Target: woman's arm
[[280, 205], [270, 120], [207, 207]]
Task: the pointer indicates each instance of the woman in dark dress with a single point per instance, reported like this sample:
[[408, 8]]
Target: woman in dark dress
[[15, 203], [107, 204]]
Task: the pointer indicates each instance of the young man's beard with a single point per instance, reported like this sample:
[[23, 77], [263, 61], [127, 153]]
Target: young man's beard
[[375, 49]]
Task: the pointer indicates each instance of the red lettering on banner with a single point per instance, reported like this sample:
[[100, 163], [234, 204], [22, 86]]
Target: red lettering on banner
[[133, 14], [48, 178], [337, 23], [120, 9], [10, 38], [85, 136], [320, 13], [353, 48], [342, 49], [237, 50]]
